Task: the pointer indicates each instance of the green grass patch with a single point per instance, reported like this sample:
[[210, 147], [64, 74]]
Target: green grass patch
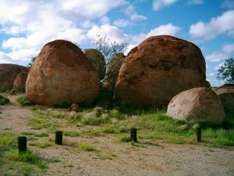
[[41, 120], [13, 163], [24, 101], [72, 133], [4, 100], [41, 144], [151, 125], [87, 147]]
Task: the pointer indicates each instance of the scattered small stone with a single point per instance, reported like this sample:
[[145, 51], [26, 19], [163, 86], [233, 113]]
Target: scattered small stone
[[74, 107], [184, 127]]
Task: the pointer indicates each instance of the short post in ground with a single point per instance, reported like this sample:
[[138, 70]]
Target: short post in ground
[[133, 134], [59, 137], [199, 133], [22, 144]]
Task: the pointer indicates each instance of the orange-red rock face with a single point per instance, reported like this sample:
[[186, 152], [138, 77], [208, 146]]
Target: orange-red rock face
[[158, 69], [8, 74], [62, 73]]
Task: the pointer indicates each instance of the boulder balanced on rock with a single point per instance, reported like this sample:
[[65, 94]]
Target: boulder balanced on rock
[[197, 105], [158, 69], [62, 73]]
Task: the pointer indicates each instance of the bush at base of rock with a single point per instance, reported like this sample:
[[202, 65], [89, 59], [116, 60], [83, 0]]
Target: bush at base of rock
[[4, 100], [197, 105], [24, 101]]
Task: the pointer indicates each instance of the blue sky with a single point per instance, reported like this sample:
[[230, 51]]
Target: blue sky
[[26, 25]]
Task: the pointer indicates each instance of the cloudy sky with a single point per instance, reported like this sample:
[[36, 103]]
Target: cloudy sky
[[26, 25]]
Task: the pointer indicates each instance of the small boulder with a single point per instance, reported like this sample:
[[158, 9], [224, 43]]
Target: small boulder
[[98, 61], [74, 107], [226, 94], [197, 105], [113, 71], [8, 74], [20, 81]]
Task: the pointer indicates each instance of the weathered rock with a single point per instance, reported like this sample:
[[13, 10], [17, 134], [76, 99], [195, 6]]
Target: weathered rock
[[197, 105], [62, 73], [98, 61], [113, 71], [74, 107], [158, 69], [20, 81], [8, 73], [226, 95]]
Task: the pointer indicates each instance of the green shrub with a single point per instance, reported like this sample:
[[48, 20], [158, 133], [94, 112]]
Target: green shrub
[[4, 100], [87, 147], [23, 101]]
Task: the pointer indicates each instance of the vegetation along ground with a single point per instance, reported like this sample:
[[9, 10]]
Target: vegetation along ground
[[99, 134]]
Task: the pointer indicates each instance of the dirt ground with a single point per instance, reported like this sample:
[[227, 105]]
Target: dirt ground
[[149, 158]]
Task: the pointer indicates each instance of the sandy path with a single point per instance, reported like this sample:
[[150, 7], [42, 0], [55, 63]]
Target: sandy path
[[13, 116], [123, 159], [148, 160]]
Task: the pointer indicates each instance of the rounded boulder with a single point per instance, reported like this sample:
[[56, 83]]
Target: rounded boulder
[[158, 69], [62, 74], [8, 74], [226, 94], [197, 105], [113, 71], [20, 81], [98, 61]]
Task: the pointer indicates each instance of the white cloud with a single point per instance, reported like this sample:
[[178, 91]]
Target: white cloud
[[223, 24], [218, 56], [31, 24], [121, 22], [4, 58], [110, 32], [90, 8], [158, 4], [133, 15], [167, 29]]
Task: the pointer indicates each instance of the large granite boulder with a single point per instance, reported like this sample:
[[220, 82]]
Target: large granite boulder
[[98, 61], [20, 81], [62, 74], [113, 71], [226, 94], [158, 69], [197, 105], [8, 74]]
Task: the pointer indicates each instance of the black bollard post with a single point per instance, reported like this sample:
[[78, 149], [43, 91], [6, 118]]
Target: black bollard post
[[199, 133], [133, 134], [22, 144], [59, 137]]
